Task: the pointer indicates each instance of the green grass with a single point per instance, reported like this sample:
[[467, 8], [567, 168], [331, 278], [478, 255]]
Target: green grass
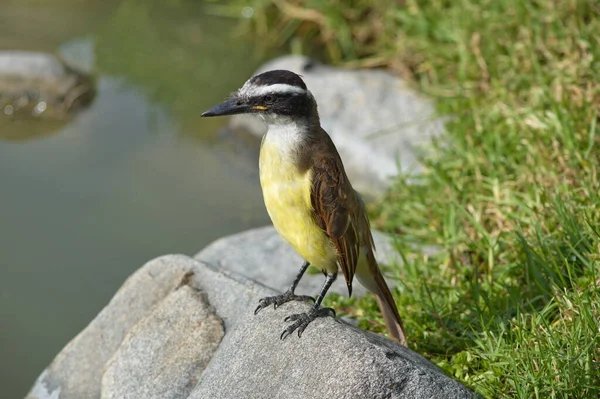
[[510, 305]]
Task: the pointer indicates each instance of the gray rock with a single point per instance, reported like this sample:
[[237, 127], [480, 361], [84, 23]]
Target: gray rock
[[376, 121], [262, 255], [79, 54], [40, 85], [76, 371], [31, 65], [332, 359], [164, 354]]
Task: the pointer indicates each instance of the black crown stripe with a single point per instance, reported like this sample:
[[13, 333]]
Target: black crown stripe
[[278, 76]]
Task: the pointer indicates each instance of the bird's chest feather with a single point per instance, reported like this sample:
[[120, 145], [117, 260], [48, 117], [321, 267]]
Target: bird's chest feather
[[287, 196], [286, 190]]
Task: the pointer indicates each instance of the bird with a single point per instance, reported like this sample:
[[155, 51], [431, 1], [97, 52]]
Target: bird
[[309, 197]]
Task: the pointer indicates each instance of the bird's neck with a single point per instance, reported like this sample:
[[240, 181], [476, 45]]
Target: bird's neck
[[290, 136], [287, 136]]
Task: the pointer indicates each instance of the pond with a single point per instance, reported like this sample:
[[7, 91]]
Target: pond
[[138, 174]]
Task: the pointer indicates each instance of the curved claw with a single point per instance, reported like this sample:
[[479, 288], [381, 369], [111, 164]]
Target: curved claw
[[279, 300], [258, 309], [301, 330], [302, 320], [330, 310], [293, 317], [284, 334], [263, 303]]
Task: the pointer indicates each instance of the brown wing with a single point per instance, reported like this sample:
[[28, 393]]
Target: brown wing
[[334, 203]]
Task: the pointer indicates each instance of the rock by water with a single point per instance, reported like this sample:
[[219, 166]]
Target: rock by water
[[161, 336], [39, 85]]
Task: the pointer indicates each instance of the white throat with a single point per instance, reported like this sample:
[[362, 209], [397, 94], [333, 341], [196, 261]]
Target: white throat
[[284, 133]]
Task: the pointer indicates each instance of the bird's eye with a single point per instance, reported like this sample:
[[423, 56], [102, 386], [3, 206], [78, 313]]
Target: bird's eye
[[268, 99]]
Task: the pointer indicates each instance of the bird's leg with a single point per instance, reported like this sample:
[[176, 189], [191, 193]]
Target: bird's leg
[[286, 296], [302, 320]]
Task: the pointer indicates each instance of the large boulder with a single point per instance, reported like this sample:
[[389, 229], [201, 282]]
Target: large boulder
[[157, 339], [378, 123], [262, 255]]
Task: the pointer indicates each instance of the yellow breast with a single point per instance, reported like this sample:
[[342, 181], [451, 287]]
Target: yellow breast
[[286, 193]]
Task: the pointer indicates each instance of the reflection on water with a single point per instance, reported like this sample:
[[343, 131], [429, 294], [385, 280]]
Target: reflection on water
[[136, 175], [137, 41]]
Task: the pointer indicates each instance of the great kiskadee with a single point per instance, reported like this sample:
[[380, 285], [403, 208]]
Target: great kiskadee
[[308, 195]]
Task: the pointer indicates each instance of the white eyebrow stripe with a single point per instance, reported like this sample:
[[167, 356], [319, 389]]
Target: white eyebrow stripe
[[276, 88]]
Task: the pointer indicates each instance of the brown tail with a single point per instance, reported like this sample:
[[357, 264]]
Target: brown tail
[[370, 276]]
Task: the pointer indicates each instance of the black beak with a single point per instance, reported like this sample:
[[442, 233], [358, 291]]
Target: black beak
[[229, 107]]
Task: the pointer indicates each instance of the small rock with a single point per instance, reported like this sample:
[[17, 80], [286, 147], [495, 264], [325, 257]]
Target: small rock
[[34, 85], [376, 121], [79, 54], [262, 255], [30, 65]]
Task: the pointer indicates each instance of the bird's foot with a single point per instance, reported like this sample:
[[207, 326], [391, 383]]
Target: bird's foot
[[281, 299], [302, 320]]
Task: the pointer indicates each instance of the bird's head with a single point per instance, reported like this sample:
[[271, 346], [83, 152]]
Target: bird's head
[[274, 96]]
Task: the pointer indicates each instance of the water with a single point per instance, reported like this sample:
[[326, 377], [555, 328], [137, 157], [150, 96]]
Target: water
[[86, 202]]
